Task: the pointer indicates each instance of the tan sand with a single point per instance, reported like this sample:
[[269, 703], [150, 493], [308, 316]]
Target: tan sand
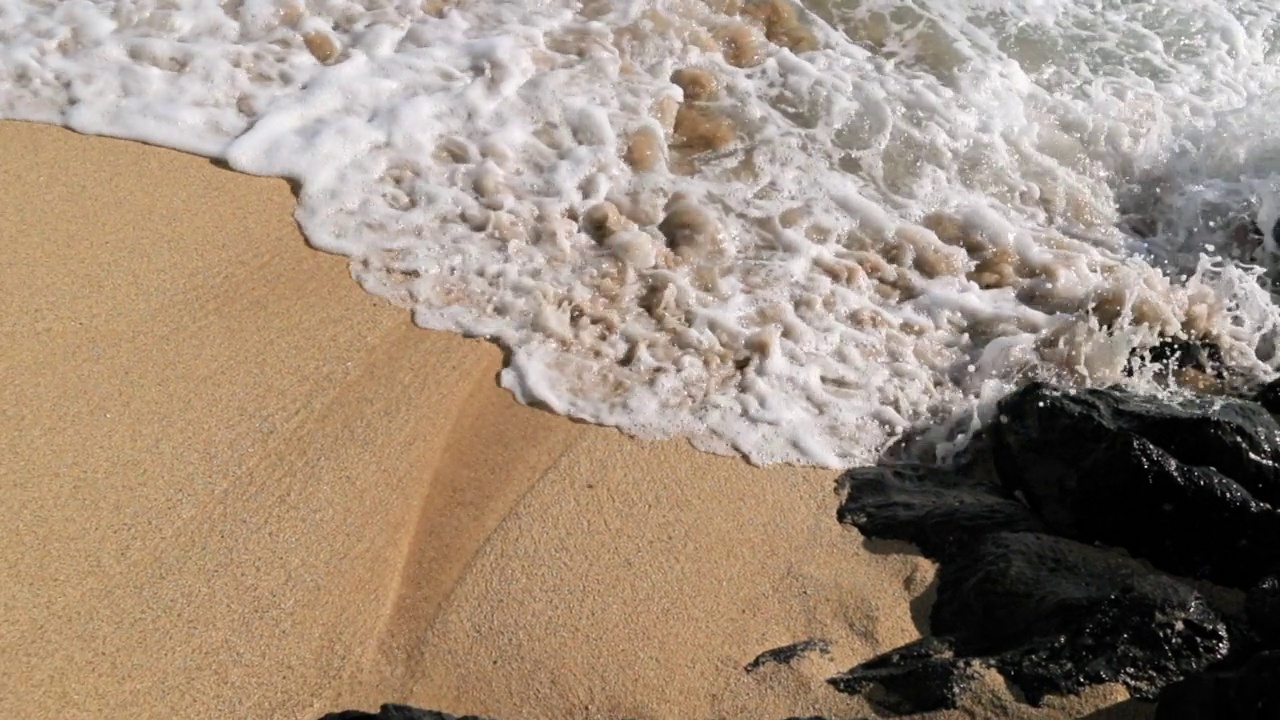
[[234, 485]]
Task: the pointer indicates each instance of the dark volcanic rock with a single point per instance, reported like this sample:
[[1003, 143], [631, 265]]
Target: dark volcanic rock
[[937, 510], [787, 654], [1262, 607], [1237, 438], [398, 712], [920, 677], [1249, 692], [1055, 616], [1269, 397], [1024, 586], [1185, 486], [1178, 355]]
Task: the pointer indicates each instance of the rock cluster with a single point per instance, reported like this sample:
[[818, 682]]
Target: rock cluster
[[1094, 536]]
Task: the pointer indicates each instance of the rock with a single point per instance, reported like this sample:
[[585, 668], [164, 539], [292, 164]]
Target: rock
[[1055, 616], [1248, 692], [1269, 397], [1262, 608], [1177, 355], [920, 677], [398, 712], [1186, 485], [1034, 578], [787, 654], [937, 510]]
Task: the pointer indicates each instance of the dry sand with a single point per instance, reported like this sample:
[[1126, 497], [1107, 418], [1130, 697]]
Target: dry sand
[[234, 485]]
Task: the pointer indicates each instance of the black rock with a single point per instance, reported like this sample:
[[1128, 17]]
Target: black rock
[[1248, 692], [1035, 580], [920, 677], [787, 654], [937, 510], [1177, 354], [1262, 607], [1269, 397], [1186, 486], [1055, 616], [398, 712]]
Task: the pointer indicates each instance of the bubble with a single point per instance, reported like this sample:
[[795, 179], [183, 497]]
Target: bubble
[[781, 24], [698, 84], [633, 247], [291, 13], [740, 45], [702, 130], [996, 269], [664, 111], [644, 149], [322, 45], [690, 230], [601, 221]]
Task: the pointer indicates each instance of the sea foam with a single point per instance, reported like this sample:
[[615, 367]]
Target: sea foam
[[794, 232]]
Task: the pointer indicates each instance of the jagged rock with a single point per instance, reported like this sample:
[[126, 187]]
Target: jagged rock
[[1262, 607], [920, 677], [1248, 692], [1055, 616], [1269, 397], [1187, 486], [937, 510], [398, 712], [787, 654], [1175, 354]]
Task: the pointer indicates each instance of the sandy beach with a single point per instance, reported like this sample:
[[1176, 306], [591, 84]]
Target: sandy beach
[[235, 485]]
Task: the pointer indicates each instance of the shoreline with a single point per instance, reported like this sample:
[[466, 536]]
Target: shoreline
[[239, 485]]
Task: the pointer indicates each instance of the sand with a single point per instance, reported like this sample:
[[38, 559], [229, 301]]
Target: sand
[[232, 484]]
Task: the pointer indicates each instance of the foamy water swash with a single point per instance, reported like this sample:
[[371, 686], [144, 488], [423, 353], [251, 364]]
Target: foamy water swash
[[794, 232]]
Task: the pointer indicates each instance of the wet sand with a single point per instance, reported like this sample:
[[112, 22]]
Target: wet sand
[[232, 484]]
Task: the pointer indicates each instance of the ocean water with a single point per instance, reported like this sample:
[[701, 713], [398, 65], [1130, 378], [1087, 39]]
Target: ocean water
[[795, 232]]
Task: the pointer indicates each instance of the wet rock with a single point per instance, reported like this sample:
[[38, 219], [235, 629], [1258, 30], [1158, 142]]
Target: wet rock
[[1055, 616], [938, 510], [1262, 608], [1248, 692], [788, 654], [398, 712], [1175, 354], [1269, 397], [920, 677], [1026, 584], [1185, 485]]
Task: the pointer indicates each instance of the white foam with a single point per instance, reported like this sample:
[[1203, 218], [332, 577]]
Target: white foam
[[918, 211]]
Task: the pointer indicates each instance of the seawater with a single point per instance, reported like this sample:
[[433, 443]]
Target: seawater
[[790, 231]]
